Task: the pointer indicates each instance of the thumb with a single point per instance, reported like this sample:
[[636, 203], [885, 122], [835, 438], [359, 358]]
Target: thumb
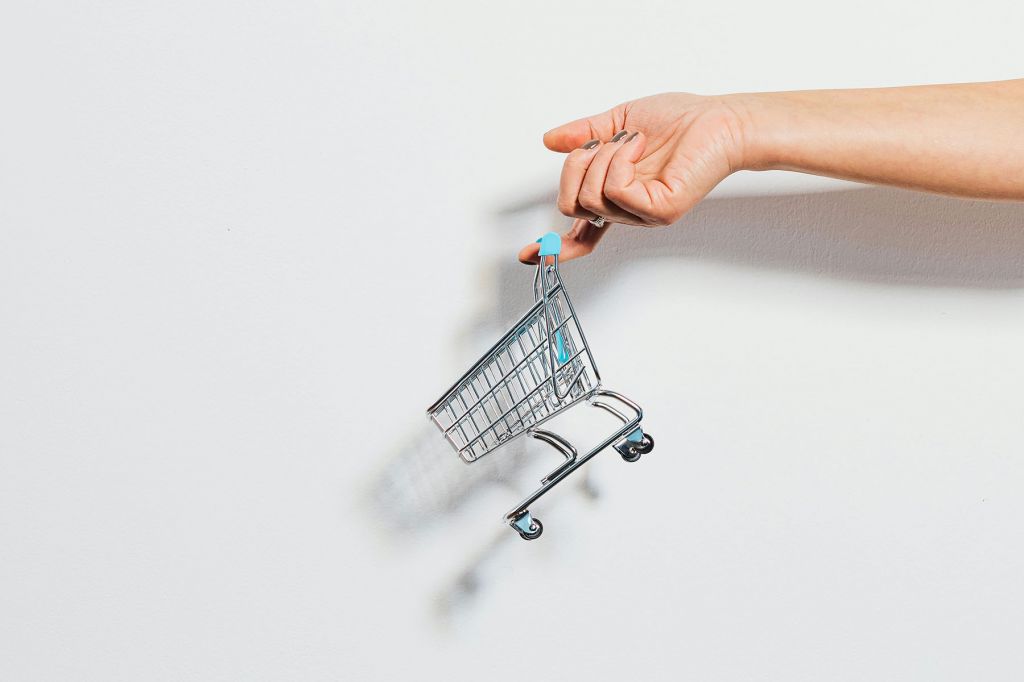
[[573, 135]]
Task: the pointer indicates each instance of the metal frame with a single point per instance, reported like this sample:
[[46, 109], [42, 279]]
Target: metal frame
[[539, 368]]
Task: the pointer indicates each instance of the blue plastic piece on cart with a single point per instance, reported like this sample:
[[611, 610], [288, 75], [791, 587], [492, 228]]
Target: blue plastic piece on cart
[[637, 436], [524, 523], [563, 355], [550, 244]]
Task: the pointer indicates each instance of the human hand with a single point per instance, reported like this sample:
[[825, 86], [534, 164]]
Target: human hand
[[645, 162], [963, 139]]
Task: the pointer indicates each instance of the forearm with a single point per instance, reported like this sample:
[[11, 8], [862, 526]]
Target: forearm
[[966, 140]]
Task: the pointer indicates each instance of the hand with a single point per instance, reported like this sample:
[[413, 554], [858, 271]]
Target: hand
[[645, 162], [964, 139]]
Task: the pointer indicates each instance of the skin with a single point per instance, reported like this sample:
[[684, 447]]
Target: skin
[[963, 140]]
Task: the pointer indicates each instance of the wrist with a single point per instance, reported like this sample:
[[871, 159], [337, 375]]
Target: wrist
[[757, 116]]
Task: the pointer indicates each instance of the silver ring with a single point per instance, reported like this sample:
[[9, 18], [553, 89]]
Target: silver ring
[[598, 221]]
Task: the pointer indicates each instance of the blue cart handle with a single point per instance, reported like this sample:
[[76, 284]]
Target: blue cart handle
[[550, 244]]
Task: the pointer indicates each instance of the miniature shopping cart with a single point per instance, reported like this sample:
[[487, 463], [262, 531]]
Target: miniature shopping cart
[[539, 368]]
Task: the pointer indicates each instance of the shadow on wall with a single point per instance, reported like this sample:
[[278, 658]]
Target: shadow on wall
[[877, 235], [869, 234]]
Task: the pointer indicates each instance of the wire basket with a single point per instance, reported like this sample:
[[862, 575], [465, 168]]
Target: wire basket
[[539, 368]]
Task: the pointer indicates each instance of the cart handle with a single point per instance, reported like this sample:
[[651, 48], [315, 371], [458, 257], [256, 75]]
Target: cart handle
[[550, 244]]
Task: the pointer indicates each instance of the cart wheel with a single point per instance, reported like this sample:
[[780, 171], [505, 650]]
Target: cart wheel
[[646, 445], [631, 455], [536, 528], [633, 452]]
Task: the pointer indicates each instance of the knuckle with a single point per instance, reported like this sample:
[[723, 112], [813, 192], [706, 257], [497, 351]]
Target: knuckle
[[589, 199], [566, 205], [576, 159], [616, 193]]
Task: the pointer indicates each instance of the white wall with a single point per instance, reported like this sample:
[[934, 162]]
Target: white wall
[[245, 244]]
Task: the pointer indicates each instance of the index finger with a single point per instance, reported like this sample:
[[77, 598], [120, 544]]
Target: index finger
[[578, 242]]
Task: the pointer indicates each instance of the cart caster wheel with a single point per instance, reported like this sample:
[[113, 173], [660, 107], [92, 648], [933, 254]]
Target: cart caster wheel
[[631, 455], [646, 445], [536, 528], [632, 452]]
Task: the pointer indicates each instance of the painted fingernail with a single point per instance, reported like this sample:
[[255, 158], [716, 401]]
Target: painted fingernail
[[630, 138], [591, 144], [619, 135]]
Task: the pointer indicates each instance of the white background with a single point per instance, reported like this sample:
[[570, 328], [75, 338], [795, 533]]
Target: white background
[[244, 245]]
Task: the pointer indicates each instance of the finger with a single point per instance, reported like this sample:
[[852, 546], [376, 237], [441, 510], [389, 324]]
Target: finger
[[582, 239], [578, 242], [567, 137], [529, 254], [573, 171], [621, 186], [591, 196]]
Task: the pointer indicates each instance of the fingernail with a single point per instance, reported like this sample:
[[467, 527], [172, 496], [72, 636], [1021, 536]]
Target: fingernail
[[630, 138], [591, 144], [619, 135]]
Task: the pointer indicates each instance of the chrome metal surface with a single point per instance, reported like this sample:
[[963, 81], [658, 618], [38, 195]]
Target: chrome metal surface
[[628, 427], [558, 443], [541, 366], [538, 369]]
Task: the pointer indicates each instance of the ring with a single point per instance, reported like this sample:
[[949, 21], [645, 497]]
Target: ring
[[598, 221]]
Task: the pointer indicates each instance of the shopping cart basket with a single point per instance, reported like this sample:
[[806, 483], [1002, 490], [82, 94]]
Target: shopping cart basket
[[539, 368]]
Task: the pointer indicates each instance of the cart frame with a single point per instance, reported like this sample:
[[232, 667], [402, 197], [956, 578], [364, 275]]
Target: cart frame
[[516, 387]]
